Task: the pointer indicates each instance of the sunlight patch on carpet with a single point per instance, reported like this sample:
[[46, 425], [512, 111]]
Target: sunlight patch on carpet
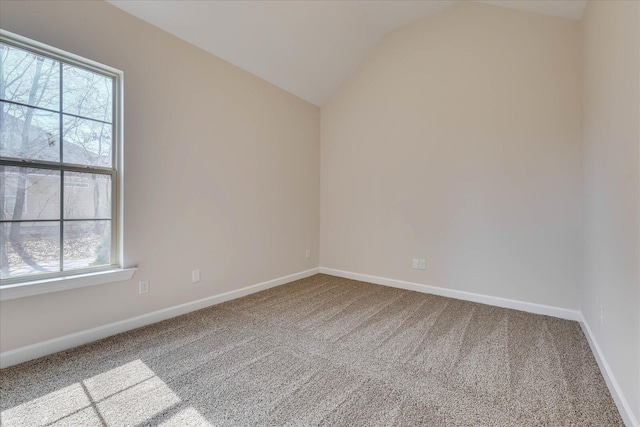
[[127, 395]]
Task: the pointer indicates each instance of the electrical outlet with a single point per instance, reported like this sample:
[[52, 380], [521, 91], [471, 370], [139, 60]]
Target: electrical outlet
[[602, 316], [143, 287], [419, 264], [308, 253], [195, 276]]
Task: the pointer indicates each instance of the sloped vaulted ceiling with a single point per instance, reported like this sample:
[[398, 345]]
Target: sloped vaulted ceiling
[[307, 48]]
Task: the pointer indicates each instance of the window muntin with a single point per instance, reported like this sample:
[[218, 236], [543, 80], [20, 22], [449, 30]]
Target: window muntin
[[58, 156]]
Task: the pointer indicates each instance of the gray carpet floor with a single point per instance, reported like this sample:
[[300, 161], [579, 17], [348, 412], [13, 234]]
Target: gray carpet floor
[[322, 351]]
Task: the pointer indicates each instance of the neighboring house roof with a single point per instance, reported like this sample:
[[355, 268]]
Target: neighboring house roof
[[43, 144]]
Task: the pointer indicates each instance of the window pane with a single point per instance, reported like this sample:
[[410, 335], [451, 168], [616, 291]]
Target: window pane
[[30, 248], [86, 94], [29, 193], [29, 133], [86, 244], [87, 142], [29, 79], [87, 195]]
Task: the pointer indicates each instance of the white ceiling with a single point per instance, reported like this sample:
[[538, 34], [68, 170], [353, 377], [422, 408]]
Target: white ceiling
[[307, 48]]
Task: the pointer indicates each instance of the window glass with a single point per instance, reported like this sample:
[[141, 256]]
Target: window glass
[[29, 79], [87, 142], [29, 133], [57, 164]]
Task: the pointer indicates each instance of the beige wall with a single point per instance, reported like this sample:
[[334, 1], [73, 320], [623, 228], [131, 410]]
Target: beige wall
[[459, 141], [611, 93], [222, 172]]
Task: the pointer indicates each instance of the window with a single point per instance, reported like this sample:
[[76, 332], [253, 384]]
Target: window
[[59, 156]]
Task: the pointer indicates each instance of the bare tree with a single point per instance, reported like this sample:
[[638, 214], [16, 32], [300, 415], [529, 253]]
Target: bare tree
[[14, 234], [37, 91]]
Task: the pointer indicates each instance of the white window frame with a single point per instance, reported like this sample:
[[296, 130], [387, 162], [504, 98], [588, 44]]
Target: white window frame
[[21, 286]]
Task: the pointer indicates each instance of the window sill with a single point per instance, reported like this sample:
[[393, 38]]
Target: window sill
[[45, 286]]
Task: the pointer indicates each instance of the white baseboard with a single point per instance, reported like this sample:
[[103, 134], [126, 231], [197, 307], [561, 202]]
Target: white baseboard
[[23, 354], [616, 393], [562, 313]]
